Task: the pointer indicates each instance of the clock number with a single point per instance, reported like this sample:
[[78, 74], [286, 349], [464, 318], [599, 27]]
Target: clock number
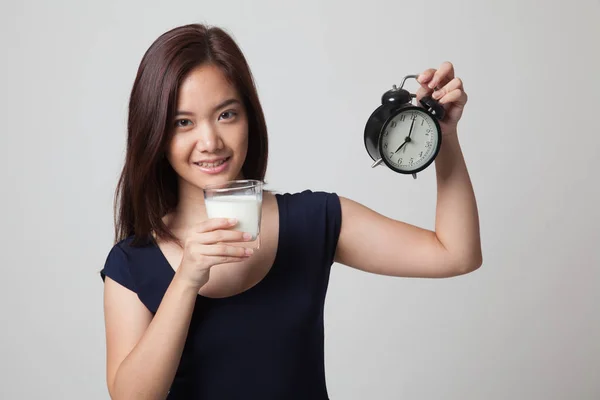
[[422, 122], [428, 144], [413, 116], [385, 133], [400, 161], [428, 130], [410, 162], [402, 117], [391, 154], [393, 124], [420, 154]]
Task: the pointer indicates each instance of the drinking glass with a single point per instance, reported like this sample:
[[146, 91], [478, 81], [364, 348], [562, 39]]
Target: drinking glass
[[239, 199]]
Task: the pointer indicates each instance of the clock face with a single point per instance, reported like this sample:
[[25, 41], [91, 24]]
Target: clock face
[[410, 141]]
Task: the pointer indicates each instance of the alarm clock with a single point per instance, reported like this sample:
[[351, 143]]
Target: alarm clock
[[404, 137]]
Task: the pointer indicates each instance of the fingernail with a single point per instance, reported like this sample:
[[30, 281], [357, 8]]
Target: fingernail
[[232, 220], [249, 251], [247, 236], [432, 84], [437, 94]]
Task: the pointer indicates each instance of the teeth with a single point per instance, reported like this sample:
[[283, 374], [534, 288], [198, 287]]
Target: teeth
[[210, 165]]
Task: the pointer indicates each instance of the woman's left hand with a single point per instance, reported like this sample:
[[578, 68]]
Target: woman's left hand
[[447, 90]]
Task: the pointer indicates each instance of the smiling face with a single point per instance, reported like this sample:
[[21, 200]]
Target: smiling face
[[210, 130]]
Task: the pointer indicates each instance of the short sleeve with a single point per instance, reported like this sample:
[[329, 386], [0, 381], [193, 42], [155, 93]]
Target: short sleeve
[[313, 222], [333, 224], [116, 267]]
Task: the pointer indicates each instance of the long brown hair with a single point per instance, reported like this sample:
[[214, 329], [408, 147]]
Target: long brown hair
[[147, 188]]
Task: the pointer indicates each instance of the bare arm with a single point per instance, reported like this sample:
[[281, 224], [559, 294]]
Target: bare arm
[[143, 353], [457, 217], [375, 243]]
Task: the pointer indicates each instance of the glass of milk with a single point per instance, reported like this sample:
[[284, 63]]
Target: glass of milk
[[240, 199]]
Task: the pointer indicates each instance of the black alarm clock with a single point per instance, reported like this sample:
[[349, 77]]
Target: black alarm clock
[[404, 137]]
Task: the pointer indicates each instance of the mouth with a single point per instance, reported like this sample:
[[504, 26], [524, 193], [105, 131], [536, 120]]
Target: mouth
[[213, 167]]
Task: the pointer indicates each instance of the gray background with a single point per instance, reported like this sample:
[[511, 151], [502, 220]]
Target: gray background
[[524, 326]]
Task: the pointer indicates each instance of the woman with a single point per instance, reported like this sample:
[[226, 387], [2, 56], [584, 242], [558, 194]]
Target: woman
[[188, 314]]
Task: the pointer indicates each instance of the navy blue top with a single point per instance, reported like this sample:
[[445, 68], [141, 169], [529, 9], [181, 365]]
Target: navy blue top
[[267, 342]]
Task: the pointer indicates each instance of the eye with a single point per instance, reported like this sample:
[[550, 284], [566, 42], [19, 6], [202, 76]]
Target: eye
[[182, 123], [228, 114]]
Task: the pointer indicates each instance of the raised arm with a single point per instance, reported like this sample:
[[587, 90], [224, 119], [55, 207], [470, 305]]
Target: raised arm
[[375, 243]]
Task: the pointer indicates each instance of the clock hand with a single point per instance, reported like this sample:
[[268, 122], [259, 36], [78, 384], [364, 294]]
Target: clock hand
[[411, 127], [409, 133], [406, 140], [379, 161]]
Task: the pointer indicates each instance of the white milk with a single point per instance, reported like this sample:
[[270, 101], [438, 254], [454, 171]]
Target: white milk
[[246, 208]]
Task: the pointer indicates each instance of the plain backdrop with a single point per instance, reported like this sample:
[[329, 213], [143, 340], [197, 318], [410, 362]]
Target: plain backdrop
[[524, 326]]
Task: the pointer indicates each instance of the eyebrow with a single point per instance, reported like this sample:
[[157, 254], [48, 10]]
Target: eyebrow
[[218, 107]]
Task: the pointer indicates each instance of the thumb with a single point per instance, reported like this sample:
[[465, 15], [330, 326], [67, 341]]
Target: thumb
[[424, 78]]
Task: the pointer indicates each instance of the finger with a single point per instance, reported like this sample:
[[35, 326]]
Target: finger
[[221, 235], [212, 224], [455, 83], [457, 97], [217, 260], [422, 92], [442, 76], [425, 77], [222, 250]]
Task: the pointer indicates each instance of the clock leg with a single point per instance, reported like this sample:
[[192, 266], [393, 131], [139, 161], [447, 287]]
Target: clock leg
[[376, 163]]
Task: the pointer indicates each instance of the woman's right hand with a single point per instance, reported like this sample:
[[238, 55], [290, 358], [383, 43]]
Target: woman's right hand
[[206, 245]]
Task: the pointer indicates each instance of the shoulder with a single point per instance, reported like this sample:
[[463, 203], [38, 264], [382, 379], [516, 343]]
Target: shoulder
[[120, 259], [313, 217], [309, 199], [311, 204], [127, 248]]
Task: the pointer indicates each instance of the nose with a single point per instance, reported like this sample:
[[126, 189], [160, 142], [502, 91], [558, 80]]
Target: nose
[[209, 140]]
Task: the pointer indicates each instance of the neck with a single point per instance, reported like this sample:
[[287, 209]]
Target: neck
[[190, 209]]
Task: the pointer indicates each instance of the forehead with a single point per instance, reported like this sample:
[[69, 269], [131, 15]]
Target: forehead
[[203, 88]]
